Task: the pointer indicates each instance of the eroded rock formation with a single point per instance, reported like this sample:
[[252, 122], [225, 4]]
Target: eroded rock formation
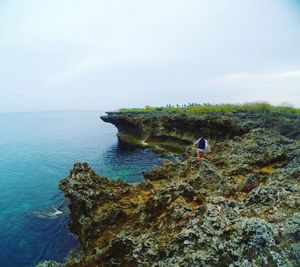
[[239, 207], [174, 131]]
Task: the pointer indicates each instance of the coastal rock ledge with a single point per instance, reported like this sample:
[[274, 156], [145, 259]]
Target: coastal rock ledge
[[239, 207]]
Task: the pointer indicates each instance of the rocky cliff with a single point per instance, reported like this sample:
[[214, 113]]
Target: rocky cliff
[[239, 207], [174, 131]]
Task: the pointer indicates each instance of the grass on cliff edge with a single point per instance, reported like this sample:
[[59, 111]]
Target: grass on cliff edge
[[205, 108]]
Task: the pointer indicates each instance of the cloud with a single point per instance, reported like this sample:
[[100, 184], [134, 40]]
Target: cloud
[[74, 70], [260, 78], [62, 54], [97, 62], [275, 87]]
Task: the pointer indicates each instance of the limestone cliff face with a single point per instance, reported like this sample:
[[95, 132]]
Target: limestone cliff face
[[174, 131], [239, 207]]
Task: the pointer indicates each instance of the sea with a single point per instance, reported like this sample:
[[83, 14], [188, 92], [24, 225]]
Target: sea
[[39, 149]]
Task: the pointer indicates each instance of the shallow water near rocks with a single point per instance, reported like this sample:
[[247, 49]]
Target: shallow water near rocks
[[37, 150]]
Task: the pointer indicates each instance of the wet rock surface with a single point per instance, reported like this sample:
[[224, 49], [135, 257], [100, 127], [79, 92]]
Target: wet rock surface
[[239, 207]]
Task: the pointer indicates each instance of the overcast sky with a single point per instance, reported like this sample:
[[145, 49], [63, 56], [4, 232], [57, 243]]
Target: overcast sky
[[96, 54]]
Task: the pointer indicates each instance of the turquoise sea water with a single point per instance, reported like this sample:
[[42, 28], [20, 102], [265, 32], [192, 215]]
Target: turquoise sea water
[[37, 150]]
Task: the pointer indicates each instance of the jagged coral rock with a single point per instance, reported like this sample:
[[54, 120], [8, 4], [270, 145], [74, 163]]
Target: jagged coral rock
[[239, 207]]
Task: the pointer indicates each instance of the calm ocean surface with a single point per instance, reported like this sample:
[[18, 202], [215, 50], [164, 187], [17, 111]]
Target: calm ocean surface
[[37, 150]]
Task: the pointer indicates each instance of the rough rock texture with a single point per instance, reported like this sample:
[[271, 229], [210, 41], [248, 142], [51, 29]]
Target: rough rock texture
[[174, 131], [239, 207]]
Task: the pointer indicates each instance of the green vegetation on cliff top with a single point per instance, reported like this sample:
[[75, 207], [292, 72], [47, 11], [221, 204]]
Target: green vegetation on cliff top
[[204, 108]]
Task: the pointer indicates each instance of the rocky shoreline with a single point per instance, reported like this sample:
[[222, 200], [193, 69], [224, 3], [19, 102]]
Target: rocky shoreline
[[239, 207], [176, 131]]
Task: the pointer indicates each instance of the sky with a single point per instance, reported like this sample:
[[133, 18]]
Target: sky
[[104, 55]]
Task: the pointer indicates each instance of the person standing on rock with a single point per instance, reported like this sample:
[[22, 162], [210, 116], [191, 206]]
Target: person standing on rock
[[202, 146]]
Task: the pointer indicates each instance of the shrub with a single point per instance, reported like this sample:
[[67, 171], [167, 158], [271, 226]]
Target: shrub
[[222, 108]]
